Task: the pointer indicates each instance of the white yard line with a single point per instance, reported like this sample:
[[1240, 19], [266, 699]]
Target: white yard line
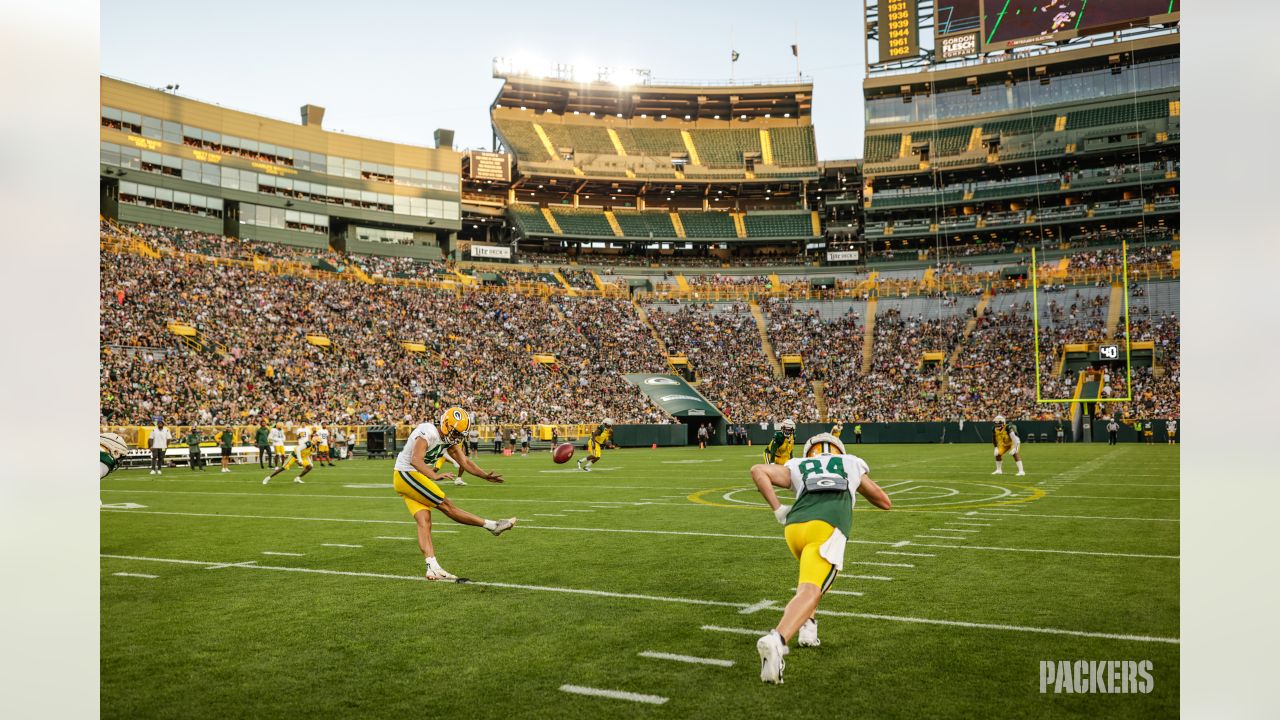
[[287, 554], [686, 659], [881, 564], [614, 694], [137, 575], [1101, 497], [1072, 517], [868, 577], [898, 544], [911, 554], [738, 631], [993, 626], [548, 515], [844, 592], [1123, 484], [339, 545], [227, 565], [756, 607], [969, 524], [955, 530], [1051, 551], [654, 598], [941, 537]]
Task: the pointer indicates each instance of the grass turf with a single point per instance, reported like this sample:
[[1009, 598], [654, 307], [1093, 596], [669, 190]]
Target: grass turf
[[199, 641]]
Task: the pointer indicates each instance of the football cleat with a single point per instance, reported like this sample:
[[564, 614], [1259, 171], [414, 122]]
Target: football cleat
[[435, 572], [266, 480], [503, 526], [459, 481], [772, 650], [998, 472], [299, 481], [809, 633], [1021, 473]]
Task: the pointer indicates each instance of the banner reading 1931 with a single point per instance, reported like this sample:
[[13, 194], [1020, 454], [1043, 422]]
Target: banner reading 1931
[[899, 30]]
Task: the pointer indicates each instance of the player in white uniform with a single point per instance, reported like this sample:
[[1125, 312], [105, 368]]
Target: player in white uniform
[[817, 528], [322, 446], [415, 479], [301, 455], [275, 438]]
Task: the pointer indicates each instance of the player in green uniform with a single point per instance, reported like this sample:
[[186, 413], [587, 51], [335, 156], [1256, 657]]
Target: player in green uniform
[[600, 439], [779, 449], [817, 527]]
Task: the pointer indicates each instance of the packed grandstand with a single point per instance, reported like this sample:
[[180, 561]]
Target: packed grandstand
[[251, 272]]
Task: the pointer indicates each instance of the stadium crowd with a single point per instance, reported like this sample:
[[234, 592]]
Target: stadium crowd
[[252, 358]]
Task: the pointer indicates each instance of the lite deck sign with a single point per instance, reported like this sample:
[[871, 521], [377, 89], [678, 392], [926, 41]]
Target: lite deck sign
[[899, 30]]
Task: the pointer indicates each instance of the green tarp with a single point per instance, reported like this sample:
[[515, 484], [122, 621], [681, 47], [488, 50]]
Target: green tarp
[[674, 395]]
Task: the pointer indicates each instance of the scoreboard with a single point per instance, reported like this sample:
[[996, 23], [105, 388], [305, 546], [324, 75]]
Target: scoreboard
[[967, 28], [1010, 23], [488, 166]]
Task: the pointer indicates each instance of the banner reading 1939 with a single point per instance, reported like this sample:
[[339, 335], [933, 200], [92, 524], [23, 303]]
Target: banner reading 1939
[[899, 30]]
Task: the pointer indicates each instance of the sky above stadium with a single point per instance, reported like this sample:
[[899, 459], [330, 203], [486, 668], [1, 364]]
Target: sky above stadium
[[397, 70]]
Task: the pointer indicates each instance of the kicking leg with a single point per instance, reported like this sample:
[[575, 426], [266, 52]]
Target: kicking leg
[[458, 515]]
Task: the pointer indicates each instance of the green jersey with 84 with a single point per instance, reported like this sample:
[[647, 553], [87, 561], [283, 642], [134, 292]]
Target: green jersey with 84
[[824, 486]]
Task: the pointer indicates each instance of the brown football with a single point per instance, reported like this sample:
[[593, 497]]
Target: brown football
[[563, 452]]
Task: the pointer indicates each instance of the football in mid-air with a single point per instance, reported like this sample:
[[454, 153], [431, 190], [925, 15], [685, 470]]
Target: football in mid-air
[[563, 452]]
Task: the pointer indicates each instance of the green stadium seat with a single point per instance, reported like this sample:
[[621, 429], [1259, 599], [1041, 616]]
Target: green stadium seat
[[794, 146], [1120, 114], [945, 142], [529, 219], [778, 224], [521, 138], [882, 148], [581, 221], [725, 148], [657, 142], [709, 224], [1027, 124], [582, 138], [644, 224]]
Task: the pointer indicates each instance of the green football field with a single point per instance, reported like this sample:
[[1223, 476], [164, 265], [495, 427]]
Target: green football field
[[650, 576]]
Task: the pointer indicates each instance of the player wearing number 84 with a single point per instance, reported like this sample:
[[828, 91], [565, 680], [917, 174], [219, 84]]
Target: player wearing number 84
[[817, 527]]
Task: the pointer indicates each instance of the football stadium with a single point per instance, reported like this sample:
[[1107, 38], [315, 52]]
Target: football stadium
[[576, 424]]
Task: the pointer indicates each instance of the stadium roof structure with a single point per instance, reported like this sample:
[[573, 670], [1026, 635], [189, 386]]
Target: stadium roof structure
[[686, 102]]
